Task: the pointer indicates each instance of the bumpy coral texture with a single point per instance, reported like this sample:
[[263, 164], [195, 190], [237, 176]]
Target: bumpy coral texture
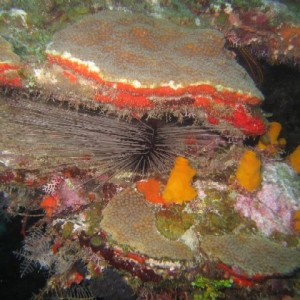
[[136, 62], [196, 56], [248, 172], [294, 159], [179, 188], [252, 254], [130, 220]]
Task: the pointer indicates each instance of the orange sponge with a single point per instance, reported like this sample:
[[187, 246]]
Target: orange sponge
[[248, 172], [179, 188], [294, 159], [151, 190], [49, 204], [270, 141]]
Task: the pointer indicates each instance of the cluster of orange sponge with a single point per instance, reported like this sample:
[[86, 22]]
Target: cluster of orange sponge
[[270, 142], [178, 189]]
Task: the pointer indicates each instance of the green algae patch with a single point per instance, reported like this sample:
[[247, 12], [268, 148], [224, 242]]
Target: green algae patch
[[67, 229], [93, 219], [173, 222], [218, 215], [96, 241]]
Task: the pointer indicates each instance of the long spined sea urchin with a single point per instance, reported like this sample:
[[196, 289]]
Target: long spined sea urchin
[[41, 135]]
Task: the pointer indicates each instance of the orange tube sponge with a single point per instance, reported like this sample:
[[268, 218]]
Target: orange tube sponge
[[179, 188], [248, 172], [151, 190], [270, 141], [294, 159]]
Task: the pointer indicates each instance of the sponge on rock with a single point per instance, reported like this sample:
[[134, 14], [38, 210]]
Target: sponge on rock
[[179, 188]]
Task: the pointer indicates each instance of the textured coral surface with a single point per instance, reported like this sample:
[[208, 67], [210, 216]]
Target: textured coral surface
[[142, 63], [242, 251], [131, 221], [131, 47]]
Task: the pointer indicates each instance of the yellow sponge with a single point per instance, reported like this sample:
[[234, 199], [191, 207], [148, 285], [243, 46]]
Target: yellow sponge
[[270, 141], [179, 188], [248, 172], [294, 159]]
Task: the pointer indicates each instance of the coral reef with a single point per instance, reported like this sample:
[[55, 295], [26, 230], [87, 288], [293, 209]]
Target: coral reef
[[269, 209], [130, 221], [127, 149], [173, 222]]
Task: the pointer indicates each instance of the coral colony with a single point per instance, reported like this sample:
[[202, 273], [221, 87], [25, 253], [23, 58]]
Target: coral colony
[[125, 149]]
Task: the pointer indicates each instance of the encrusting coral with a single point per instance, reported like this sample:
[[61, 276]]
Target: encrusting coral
[[271, 209], [173, 222], [248, 173], [179, 188]]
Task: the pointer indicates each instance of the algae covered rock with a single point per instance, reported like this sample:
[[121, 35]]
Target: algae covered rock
[[172, 223]]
